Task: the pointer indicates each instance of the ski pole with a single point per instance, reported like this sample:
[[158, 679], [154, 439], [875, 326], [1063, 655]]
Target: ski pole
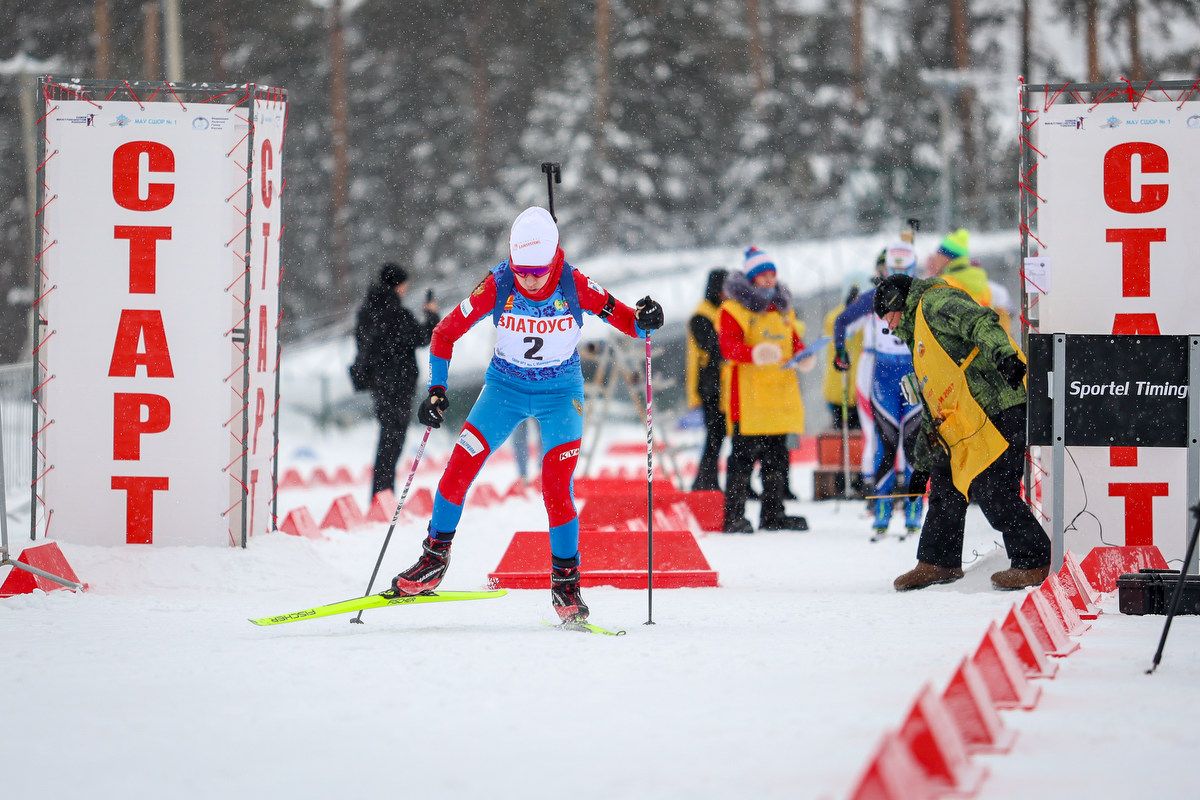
[[395, 516], [892, 496], [1175, 595], [553, 170], [649, 488], [846, 434]]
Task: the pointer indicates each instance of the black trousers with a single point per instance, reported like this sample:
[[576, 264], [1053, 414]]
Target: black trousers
[[714, 427], [998, 491], [393, 408], [772, 453]]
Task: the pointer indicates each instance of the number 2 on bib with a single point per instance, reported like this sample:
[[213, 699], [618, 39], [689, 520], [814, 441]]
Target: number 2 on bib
[[536, 342]]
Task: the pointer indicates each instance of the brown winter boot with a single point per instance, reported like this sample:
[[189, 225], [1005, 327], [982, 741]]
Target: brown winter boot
[[923, 575], [1013, 578]]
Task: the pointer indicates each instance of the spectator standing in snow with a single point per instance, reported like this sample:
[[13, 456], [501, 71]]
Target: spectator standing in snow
[[387, 335], [833, 384], [971, 378], [953, 263], [759, 334], [704, 377]]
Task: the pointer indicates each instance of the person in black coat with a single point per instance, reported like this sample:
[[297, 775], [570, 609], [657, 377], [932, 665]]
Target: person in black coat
[[703, 333], [388, 335]]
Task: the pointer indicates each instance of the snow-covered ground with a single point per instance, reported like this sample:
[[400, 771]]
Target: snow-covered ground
[[776, 684]]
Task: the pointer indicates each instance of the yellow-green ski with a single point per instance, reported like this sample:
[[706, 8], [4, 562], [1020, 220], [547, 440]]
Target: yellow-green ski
[[376, 601], [583, 627]]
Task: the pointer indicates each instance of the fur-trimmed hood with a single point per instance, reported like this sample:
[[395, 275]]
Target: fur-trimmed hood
[[739, 289]]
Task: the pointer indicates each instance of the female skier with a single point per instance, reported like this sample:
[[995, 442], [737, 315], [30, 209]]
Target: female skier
[[536, 300]]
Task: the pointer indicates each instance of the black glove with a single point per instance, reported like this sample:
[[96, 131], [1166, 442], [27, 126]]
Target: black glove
[[360, 378], [649, 314], [432, 411], [918, 482], [841, 359], [1012, 369]]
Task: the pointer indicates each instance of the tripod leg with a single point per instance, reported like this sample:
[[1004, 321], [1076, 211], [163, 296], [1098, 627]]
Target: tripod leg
[[1178, 593]]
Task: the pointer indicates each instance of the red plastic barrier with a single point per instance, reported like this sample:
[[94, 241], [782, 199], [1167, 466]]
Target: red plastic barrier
[[687, 519], [1104, 565], [1027, 646], [46, 557], [299, 522], [344, 514], [1002, 672], [343, 477], [1063, 610], [383, 507], [893, 774], [291, 479], [485, 496], [519, 489], [934, 740], [970, 706], [586, 488], [1045, 624], [598, 511], [806, 451], [320, 478], [633, 448], [1075, 587], [607, 558], [367, 474], [420, 503], [708, 507]]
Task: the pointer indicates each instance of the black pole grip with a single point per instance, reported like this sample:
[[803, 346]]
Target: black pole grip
[[553, 172]]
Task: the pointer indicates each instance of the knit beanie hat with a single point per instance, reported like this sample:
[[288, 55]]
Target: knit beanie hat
[[955, 245], [756, 262], [392, 275], [533, 241], [892, 294]]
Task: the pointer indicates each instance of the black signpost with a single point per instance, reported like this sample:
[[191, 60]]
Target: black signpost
[[1113, 391]]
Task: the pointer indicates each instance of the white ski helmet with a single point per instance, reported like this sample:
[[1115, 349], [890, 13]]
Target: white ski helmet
[[533, 241], [899, 258]]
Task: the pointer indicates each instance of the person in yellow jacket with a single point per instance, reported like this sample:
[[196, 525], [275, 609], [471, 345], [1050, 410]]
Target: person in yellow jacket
[[703, 376], [759, 334], [952, 262], [970, 376], [834, 386]]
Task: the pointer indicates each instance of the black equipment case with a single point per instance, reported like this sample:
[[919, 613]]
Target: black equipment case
[[1149, 591]]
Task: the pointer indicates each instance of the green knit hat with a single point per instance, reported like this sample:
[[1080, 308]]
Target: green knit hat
[[955, 245]]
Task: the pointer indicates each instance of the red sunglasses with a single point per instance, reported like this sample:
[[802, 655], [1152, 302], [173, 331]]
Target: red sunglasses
[[532, 272]]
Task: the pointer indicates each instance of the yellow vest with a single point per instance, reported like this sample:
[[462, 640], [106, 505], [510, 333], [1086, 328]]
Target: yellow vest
[[969, 434], [697, 359], [768, 394], [834, 381]]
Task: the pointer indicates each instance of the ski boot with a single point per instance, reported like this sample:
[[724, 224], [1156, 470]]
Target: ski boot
[[913, 507], [784, 523], [737, 525], [564, 590], [883, 516], [427, 573]]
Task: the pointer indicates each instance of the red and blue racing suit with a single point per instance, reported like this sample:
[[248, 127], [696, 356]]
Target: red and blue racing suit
[[535, 372]]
